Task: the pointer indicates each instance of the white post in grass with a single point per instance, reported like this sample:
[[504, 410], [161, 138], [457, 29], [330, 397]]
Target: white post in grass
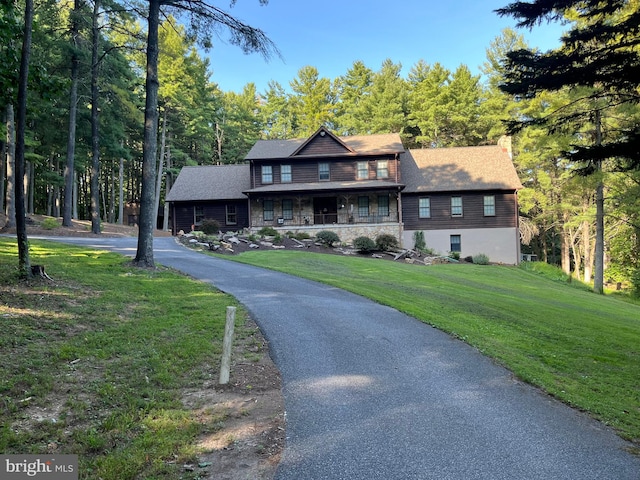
[[225, 364]]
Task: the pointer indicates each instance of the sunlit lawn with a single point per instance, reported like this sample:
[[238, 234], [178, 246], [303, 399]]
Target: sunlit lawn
[[95, 362]]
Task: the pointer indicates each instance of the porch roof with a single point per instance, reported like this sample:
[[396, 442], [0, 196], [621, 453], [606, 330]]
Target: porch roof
[[337, 187]]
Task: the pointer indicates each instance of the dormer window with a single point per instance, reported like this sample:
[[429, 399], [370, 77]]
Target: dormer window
[[267, 174], [382, 170]]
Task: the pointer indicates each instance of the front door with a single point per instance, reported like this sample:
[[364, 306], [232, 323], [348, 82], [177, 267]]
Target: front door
[[325, 210]]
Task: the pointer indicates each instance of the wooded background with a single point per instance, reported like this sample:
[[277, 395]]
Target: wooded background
[[88, 61]]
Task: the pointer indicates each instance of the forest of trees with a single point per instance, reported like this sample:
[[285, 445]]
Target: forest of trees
[[85, 121]]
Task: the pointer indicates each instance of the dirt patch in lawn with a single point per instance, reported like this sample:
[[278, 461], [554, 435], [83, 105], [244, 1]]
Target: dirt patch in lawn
[[250, 412]]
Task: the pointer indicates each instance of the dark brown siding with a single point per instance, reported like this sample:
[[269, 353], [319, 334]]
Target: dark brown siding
[[323, 145], [184, 211], [472, 207], [306, 170]]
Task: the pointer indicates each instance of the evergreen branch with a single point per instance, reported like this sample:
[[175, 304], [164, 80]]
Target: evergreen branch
[[206, 19]]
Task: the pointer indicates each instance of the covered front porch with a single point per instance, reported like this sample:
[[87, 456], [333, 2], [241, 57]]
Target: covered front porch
[[371, 208]]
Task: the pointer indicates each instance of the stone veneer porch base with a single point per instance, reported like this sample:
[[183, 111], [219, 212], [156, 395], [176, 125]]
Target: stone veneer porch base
[[346, 233]]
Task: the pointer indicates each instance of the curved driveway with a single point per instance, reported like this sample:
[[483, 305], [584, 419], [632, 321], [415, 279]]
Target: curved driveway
[[371, 393]]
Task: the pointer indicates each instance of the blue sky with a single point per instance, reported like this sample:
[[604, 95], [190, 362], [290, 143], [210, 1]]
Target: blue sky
[[331, 34]]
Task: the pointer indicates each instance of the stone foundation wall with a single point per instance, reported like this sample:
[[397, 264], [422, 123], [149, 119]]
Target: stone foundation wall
[[347, 233]]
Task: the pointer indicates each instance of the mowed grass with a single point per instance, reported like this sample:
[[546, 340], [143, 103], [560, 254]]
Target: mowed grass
[[95, 363], [580, 347]]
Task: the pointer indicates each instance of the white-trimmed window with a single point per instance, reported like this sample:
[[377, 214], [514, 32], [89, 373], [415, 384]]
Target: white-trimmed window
[[363, 171], [287, 209], [382, 169], [456, 243], [267, 174], [424, 207], [456, 206], [323, 172], [267, 208], [363, 206], [231, 215], [285, 173], [489, 206]]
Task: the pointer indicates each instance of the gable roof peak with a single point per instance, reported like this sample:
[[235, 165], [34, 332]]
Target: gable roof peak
[[348, 145], [321, 132]]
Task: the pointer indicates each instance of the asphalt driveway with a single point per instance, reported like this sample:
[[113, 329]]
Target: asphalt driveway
[[371, 393]]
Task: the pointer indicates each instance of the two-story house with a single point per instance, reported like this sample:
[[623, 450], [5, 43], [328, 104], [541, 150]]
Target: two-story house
[[463, 199]]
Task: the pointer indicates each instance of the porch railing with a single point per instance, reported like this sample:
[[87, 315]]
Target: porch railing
[[327, 219]]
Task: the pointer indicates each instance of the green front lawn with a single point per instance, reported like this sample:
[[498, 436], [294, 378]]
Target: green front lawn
[[95, 363]]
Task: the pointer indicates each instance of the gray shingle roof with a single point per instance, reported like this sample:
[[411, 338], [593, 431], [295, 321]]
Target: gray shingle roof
[[361, 144], [217, 182], [423, 170], [458, 168]]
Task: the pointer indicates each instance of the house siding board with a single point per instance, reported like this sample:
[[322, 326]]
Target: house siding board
[[184, 214], [342, 169], [472, 211], [322, 145]]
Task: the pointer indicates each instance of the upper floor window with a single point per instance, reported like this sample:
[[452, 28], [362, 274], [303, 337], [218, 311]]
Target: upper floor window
[[363, 206], [323, 171], [267, 174], [285, 173], [363, 170], [287, 209], [231, 215], [424, 207], [456, 206], [383, 205], [489, 205], [382, 169], [267, 208]]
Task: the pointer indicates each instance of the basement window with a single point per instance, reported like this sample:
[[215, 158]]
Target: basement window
[[456, 243]]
